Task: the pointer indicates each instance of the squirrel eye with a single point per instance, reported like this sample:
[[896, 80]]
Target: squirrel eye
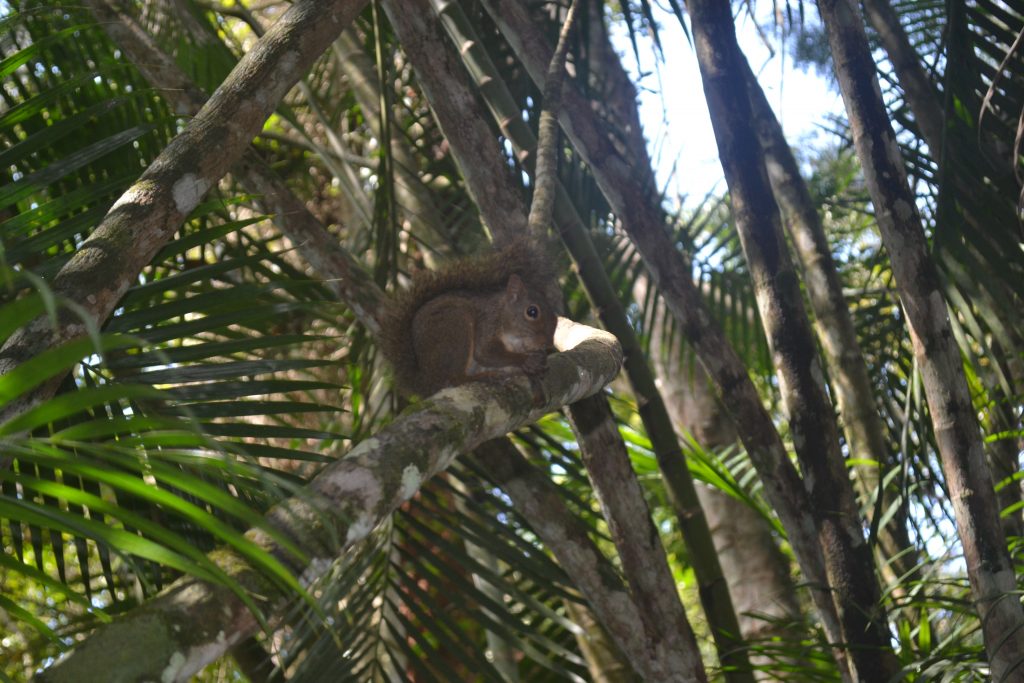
[[532, 312]]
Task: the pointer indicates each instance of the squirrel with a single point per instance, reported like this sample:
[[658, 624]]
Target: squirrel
[[478, 317]]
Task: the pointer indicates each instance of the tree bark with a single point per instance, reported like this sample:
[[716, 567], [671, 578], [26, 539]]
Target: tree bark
[[991, 573], [848, 558], [604, 663], [954, 144], [538, 500], [636, 538], [626, 181], [969, 208], [473, 142], [757, 572], [854, 394], [918, 90]]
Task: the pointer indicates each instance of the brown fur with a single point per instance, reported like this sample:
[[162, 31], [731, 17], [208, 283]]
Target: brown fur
[[485, 272]]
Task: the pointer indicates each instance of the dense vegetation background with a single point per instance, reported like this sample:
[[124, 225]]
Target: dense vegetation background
[[807, 470]]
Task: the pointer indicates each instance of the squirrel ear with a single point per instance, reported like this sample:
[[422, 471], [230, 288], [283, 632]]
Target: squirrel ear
[[515, 287]]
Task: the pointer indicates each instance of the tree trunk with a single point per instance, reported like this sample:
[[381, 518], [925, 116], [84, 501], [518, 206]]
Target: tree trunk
[[636, 538], [757, 573], [982, 206], [538, 500], [604, 661], [854, 394], [620, 173], [918, 90], [815, 434], [950, 138], [991, 573]]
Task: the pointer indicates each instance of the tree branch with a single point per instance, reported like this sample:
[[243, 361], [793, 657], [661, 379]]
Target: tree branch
[[619, 612], [636, 538], [194, 622], [146, 216]]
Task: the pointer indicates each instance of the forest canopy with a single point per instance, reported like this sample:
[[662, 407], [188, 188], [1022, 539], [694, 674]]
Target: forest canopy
[[776, 436]]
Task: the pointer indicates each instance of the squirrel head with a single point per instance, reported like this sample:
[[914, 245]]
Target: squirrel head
[[527, 319]]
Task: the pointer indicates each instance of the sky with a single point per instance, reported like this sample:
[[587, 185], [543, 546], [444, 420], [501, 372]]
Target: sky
[[674, 113]]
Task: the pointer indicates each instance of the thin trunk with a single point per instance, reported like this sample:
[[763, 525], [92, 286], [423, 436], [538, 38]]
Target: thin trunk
[[918, 90], [540, 503], [757, 572], [626, 181], [991, 573], [679, 484], [977, 190], [848, 558], [854, 393], [947, 143], [636, 538], [478, 154], [604, 661]]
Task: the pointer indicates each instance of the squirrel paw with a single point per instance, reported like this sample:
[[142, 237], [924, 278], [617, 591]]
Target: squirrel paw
[[537, 389], [535, 363]]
